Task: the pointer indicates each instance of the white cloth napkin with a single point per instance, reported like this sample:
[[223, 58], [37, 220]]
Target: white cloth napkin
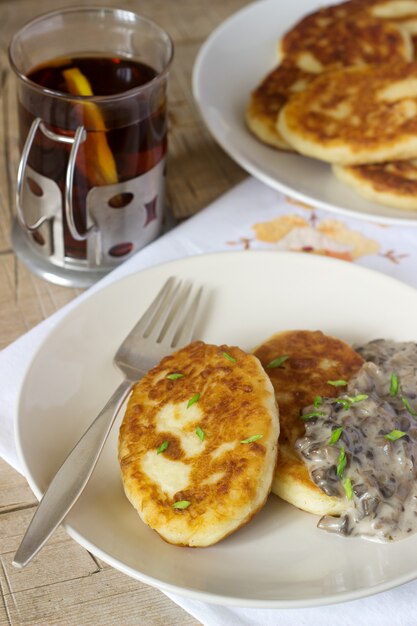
[[250, 216]]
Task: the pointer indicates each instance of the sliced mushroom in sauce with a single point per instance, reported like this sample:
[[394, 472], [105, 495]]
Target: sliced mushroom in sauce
[[378, 415]]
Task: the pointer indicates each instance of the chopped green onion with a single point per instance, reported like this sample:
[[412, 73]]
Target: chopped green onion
[[343, 401], [394, 385], [162, 447], [394, 435], [200, 433], [335, 436], [408, 406], [277, 362], [193, 400], [347, 486], [337, 383], [317, 401], [341, 462], [181, 504], [309, 416], [252, 439], [174, 376], [359, 398], [349, 400], [230, 357]]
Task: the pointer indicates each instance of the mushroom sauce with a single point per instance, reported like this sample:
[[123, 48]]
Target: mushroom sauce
[[362, 445]]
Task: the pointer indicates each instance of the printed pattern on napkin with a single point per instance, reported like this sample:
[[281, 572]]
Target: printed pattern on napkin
[[299, 227]]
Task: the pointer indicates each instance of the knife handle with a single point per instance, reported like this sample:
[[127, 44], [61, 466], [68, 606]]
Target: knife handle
[[70, 480]]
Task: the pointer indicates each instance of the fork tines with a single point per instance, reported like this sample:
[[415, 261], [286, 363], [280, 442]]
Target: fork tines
[[173, 319]]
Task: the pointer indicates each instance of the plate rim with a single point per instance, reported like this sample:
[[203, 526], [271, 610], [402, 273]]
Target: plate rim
[[205, 596], [245, 163]]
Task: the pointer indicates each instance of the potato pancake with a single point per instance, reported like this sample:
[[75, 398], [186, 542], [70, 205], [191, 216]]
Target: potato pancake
[[327, 39], [300, 364], [340, 36], [400, 12], [198, 443], [269, 97], [393, 184], [355, 116]]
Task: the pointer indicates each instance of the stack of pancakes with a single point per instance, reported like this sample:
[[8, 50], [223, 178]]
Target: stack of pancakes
[[345, 92], [211, 430]]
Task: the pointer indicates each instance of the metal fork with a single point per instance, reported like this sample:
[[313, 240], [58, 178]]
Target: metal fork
[[166, 325]]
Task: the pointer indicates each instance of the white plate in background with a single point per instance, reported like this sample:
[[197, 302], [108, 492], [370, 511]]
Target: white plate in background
[[230, 64]]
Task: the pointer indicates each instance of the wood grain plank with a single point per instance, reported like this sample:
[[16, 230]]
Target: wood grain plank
[[25, 299], [199, 171], [104, 599], [65, 584], [15, 493], [6, 209], [4, 619]]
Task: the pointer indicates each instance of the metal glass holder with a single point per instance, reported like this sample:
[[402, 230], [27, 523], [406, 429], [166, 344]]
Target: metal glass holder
[[115, 230]]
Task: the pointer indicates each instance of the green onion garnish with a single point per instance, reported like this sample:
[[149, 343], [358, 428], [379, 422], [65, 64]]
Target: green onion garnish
[[174, 376], [193, 400], [335, 436], [317, 401], [359, 398], [394, 385], [394, 435], [337, 383], [181, 504], [408, 406], [309, 416], [347, 485], [162, 447], [343, 401], [252, 439], [230, 357], [341, 462], [349, 400], [200, 433], [277, 362]]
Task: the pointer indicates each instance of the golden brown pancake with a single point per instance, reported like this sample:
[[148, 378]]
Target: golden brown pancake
[[313, 360], [355, 116], [324, 40], [310, 27], [400, 12], [268, 99], [198, 443], [393, 184], [321, 42]]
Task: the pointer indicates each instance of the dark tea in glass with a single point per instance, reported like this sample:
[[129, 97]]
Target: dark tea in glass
[[119, 146], [92, 103]]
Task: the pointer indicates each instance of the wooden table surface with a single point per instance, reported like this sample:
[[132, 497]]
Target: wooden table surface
[[65, 584]]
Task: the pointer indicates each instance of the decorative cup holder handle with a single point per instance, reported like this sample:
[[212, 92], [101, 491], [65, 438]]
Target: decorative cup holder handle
[[76, 140], [114, 229]]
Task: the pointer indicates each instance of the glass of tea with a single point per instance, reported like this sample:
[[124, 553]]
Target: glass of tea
[[92, 109]]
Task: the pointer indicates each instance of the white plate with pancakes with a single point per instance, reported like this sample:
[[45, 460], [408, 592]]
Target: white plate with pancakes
[[280, 558], [231, 63]]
